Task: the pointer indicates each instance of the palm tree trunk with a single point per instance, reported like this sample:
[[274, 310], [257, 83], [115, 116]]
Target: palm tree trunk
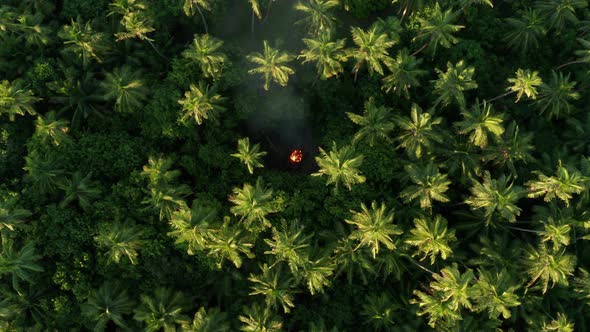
[[420, 49], [252, 24], [156, 49], [203, 18], [267, 11], [501, 96], [569, 63]]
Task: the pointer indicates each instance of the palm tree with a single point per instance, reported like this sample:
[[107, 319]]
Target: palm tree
[[211, 320], [451, 84], [555, 96], [276, 289], [372, 49], [137, 25], [380, 310], [20, 264], [525, 32], [120, 240], [548, 265], [164, 309], [190, 6], [374, 227], [429, 185], [376, 123], [556, 231], [259, 319], [26, 28], [526, 82], [465, 3], [81, 39], [288, 244], [340, 166], [272, 65], [511, 148], [315, 272], [327, 54], [558, 12], [80, 189], [317, 15], [496, 197], [50, 128], [249, 156], [14, 100], [404, 74], [583, 53], [390, 25], [561, 324], [107, 304], [193, 226], [567, 181], [418, 133], [125, 87], [408, 7], [437, 30], [165, 194], [205, 51], [79, 94], [201, 102], [252, 204], [351, 260], [42, 173], [432, 238], [10, 219], [479, 123], [158, 172], [494, 292], [227, 243]]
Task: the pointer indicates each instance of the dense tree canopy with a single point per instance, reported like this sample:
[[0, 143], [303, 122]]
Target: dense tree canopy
[[310, 165]]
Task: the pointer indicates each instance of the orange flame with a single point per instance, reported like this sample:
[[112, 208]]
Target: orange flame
[[296, 156]]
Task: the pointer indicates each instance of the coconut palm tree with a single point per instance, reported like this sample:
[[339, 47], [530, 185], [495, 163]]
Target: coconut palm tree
[[164, 309], [432, 238], [495, 293], [120, 240], [20, 264], [566, 182], [418, 133], [125, 87], [428, 185], [525, 83], [480, 123], [252, 204], [80, 189], [81, 39], [14, 100], [50, 129], [496, 197], [451, 84], [276, 288], [315, 272], [560, 12], [80, 95], [193, 227], [272, 65], [372, 49], [318, 17], [205, 51], [340, 166], [379, 311], [513, 147], [288, 244], [208, 320], [258, 319], [555, 96], [249, 155], [376, 123], [190, 7], [584, 54], [10, 219], [327, 54], [437, 30], [404, 74], [525, 31], [42, 173], [137, 25], [110, 303], [201, 102], [229, 244], [374, 227], [547, 266]]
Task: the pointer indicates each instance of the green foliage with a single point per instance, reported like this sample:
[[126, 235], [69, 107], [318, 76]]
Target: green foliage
[[164, 309], [317, 17], [437, 29], [526, 82], [120, 240], [327, 54], [451, 84], [555, 96], [201, 103], [14, 100], [404, 74], [193, 226], [340, 166], [558, 12], [376, 123], [126, 88], [272, 65], [80, 189], [20, 264], [432, 238], [252, 204], [211, 320], [418, 133], [380, 311], [108, 303], [525, 31], [428, 185], [545, 265], [561, 186], [275, 288], [479, 123], [374, 227], [371, 49], [205, 51], [249, 155], [256, 318], [80, 39]]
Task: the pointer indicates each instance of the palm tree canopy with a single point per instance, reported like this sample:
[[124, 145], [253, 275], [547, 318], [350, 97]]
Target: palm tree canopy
[[317, 13], [327, 54], [372, 49], [438, 29], [479, 123], [525, 83], [340, 166], [376, 123], [16, 101], [404, 73], [125, 87], [205, 51], [249, 155], [272, 65], [201, 102], [451, 84]]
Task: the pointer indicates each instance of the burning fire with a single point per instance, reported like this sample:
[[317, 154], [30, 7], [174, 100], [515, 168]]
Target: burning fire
[[296, 156]]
